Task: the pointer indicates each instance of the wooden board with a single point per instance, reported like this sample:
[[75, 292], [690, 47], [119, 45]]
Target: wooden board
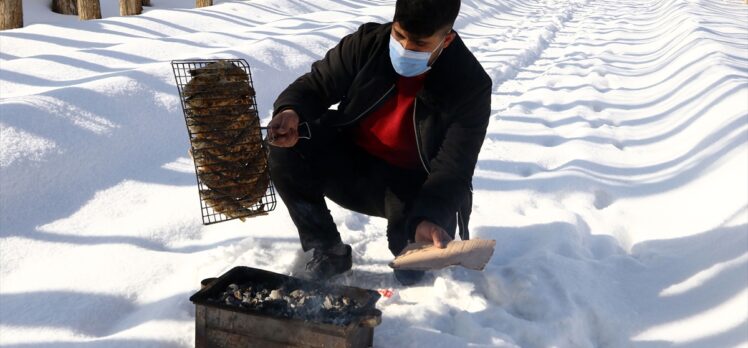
[[472, 254]]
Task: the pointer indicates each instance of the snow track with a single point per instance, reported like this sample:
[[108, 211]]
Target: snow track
[[612, 176]]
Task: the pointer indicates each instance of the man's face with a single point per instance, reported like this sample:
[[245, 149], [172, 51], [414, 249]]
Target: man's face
[[423, 44]]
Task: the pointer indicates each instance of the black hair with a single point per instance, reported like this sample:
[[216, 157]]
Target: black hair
[[423, 18]]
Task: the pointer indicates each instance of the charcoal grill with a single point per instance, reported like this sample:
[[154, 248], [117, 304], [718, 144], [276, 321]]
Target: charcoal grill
[[215, 202], [222, 325]]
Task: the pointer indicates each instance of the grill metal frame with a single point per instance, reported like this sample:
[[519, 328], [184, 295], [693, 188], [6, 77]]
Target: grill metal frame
[[268, 201], [218, 325]]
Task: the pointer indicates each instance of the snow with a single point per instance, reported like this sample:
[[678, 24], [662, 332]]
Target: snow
[[612, 176]]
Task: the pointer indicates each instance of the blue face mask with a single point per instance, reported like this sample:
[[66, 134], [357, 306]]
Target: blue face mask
[[410, 63]]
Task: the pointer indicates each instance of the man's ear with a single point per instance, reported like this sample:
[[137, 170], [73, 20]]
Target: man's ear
[[450, 37]]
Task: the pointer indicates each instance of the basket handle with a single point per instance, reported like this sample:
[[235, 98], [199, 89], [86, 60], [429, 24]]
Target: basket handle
[[305, 134]]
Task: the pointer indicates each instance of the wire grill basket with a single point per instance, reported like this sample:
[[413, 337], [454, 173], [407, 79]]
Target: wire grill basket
[[226, 140]]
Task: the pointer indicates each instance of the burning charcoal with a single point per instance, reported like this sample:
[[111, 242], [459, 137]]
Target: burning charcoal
[[232, 301], [328, 303], [225, 295], [275, 295], [312, 305], [246, 297]]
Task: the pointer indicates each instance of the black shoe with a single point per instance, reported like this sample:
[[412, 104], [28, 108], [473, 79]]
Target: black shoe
[[408, 277], [327, 263]]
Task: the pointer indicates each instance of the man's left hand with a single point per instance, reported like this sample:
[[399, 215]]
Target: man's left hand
[[427, 231]]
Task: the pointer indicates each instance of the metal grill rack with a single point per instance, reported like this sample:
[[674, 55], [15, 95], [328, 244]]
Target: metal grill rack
[[217, 175]]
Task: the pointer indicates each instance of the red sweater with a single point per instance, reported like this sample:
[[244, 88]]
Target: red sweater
[[388, 132]]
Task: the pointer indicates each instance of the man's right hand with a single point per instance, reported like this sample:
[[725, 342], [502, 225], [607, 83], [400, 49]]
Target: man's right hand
[[283, 129]]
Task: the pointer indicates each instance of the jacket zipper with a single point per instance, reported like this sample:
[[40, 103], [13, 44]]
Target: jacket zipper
[[459, 221], [420, 156], [368, 109], [418, 144]]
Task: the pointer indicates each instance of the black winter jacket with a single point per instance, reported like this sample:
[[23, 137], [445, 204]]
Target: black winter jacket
[[451, 113]]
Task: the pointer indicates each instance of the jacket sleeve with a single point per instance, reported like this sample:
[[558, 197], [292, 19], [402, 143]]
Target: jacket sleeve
[[328, 81], [451, 170]]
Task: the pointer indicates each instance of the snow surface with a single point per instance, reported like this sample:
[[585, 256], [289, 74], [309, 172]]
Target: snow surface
[[613, 176]]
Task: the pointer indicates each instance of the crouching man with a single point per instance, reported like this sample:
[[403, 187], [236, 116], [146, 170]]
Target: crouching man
[[414, 105]]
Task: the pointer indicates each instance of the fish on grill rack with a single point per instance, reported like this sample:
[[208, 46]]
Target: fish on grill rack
[[226, 139]]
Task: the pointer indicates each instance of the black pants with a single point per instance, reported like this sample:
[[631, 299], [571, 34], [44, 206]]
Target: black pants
[[331, 165]]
